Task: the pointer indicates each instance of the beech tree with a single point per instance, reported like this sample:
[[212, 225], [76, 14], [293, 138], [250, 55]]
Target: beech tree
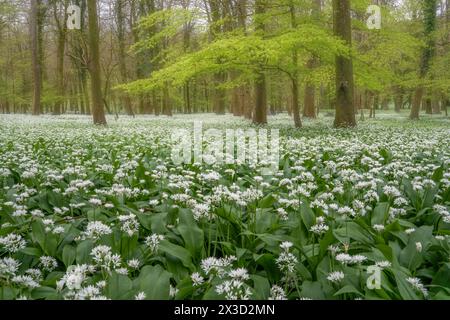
[[36, 57], [98, 111], [345, 110]]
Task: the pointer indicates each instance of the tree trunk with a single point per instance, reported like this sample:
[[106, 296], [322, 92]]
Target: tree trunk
[[167, 108], [345, 111], [429, 21], [98, 111], [309, 109], [260, 115], [120, 18], [295, 93], [36, 60]]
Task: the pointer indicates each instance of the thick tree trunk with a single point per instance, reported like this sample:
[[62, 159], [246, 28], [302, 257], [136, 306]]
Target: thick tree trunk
[[416, 103], [98, 111], [345, 111], [429, 22]]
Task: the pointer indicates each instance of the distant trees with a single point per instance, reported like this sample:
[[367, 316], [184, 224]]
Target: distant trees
[[246, 57]]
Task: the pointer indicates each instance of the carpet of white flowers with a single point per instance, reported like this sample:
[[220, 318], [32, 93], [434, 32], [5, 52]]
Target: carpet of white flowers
[[102, 213]]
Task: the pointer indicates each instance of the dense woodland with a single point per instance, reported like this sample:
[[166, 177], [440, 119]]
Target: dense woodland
[[250, 58]]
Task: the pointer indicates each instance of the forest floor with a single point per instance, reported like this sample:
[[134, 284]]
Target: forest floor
[[103, 212]]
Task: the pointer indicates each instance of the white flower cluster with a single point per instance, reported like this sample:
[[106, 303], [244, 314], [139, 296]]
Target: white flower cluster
[[443, 211], [235, 288], [286, 261], [105, 259], [8, 267], [129, 224], [346, 258], [153, 242], [320, 227], [217, 266], [277, 293], [336, 276], [12, 242], [95, 229]]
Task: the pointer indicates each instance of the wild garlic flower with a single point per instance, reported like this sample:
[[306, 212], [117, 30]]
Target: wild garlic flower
[[8, 267], [153, 242], [140, 296], [234, 290], [12, 242], [383, 264], [336, 276], [346, 258], [217, 266], [286, 261], [416, 283], [320, 227], [134, 263], [48, 263], [277, 293], [197, 279], [105, 259], [129, 224], [95, 229]]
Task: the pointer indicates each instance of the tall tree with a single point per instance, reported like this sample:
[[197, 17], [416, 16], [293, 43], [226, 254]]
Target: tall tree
[[36, 59], [309, 109], [294, 76], [60, 16], [260, 115], [220, 77], [429, 8], [345, 111], [98, 111], [120, 21]]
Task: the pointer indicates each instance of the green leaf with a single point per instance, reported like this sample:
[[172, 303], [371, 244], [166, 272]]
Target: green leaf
[[261, 286], [348, 289], [69, 254], [84, 251], [307, 215], [119, 286], [404, 287], [155, 282], [32, 251], [192, 235], [46, 293], [178, 252], [380, 213]]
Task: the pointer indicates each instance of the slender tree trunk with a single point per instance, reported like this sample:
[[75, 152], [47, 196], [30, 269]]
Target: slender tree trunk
[[309, 109], [120, 18], [167, 108], [345, 111], [98, 111], [260, 114], [294, 81], [37, 74]]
